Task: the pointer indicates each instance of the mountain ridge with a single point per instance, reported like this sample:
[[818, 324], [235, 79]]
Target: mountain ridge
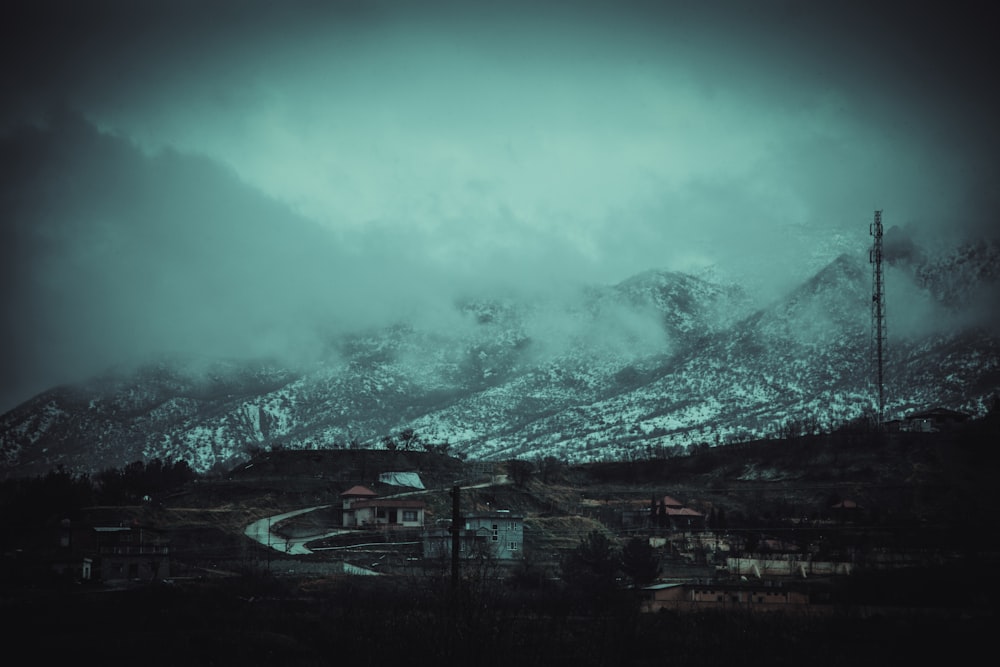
[[661, 359]]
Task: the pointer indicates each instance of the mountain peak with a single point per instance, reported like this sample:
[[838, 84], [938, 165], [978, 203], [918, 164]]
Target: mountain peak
[[661, 359], [845, 269]]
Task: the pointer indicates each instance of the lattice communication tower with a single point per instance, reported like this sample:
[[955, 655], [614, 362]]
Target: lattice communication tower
[[878, 341]]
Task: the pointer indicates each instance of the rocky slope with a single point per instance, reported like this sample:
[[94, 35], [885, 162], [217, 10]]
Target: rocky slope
[[660, 360]]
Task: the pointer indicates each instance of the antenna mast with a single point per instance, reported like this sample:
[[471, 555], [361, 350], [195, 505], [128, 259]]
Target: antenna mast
[[878, 341]]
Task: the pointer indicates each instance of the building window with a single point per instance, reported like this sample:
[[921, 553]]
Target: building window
[[496, 535], [512, 546], [409, 515]]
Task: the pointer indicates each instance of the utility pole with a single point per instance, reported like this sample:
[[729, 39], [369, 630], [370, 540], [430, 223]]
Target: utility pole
[[878, 334], [456, 528]]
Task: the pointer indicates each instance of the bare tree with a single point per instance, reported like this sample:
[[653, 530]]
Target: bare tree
[[410, 439]]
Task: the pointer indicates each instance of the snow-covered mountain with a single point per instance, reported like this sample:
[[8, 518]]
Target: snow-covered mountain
[[660, 360]]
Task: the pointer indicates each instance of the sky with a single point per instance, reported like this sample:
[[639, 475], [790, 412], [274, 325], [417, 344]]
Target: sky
[[244, 177]]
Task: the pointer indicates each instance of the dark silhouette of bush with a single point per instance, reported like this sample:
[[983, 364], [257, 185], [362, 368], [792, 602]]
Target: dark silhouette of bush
[[377, 621], [138, 481], [639, 562]]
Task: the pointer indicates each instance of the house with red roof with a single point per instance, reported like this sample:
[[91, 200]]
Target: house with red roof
[[846, 510], [671, 513], [363, 508]]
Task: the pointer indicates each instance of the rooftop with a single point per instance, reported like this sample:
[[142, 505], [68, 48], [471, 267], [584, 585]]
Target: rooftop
[[359, 491]]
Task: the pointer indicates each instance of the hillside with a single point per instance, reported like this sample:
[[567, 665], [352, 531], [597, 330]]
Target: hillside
[[926, 490], [660, 361], [923, 546]]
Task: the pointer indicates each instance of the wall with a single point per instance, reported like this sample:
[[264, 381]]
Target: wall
[[785, 567]]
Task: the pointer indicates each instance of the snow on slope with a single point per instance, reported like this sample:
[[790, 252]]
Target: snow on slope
[[660, 360]]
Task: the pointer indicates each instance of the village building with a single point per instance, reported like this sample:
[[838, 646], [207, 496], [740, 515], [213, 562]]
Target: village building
[[353, 495], [670, 513], [665, 512], [395, 512], [130, 552], [934, 420], [758, 597], [362, 508], [498, 534], [846, 511], [111, 551]]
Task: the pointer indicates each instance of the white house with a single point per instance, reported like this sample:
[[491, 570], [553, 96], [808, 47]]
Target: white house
[[363, 508]]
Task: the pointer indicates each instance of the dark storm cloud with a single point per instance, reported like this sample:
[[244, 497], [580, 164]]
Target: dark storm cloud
[[899, 247], [327, 104], [110, 255], [246, 176]]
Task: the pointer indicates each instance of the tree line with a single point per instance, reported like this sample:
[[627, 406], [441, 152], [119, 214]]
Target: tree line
[[29, 502]]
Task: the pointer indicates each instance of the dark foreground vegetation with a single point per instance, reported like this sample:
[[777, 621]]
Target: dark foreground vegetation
[[372, 621]]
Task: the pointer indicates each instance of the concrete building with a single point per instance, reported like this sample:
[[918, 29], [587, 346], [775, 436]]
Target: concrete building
[[937, 419], [498, 534]]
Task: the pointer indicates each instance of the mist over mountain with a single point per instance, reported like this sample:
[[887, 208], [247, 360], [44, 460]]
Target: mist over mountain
[[660, 360], [112, 256], [521, 227]]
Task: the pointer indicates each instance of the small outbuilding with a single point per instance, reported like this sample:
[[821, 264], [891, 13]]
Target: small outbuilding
[[934, 420]]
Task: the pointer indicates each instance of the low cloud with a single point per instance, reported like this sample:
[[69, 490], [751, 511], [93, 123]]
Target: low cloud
[[112, 256], [245, 178], [898, 247]]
